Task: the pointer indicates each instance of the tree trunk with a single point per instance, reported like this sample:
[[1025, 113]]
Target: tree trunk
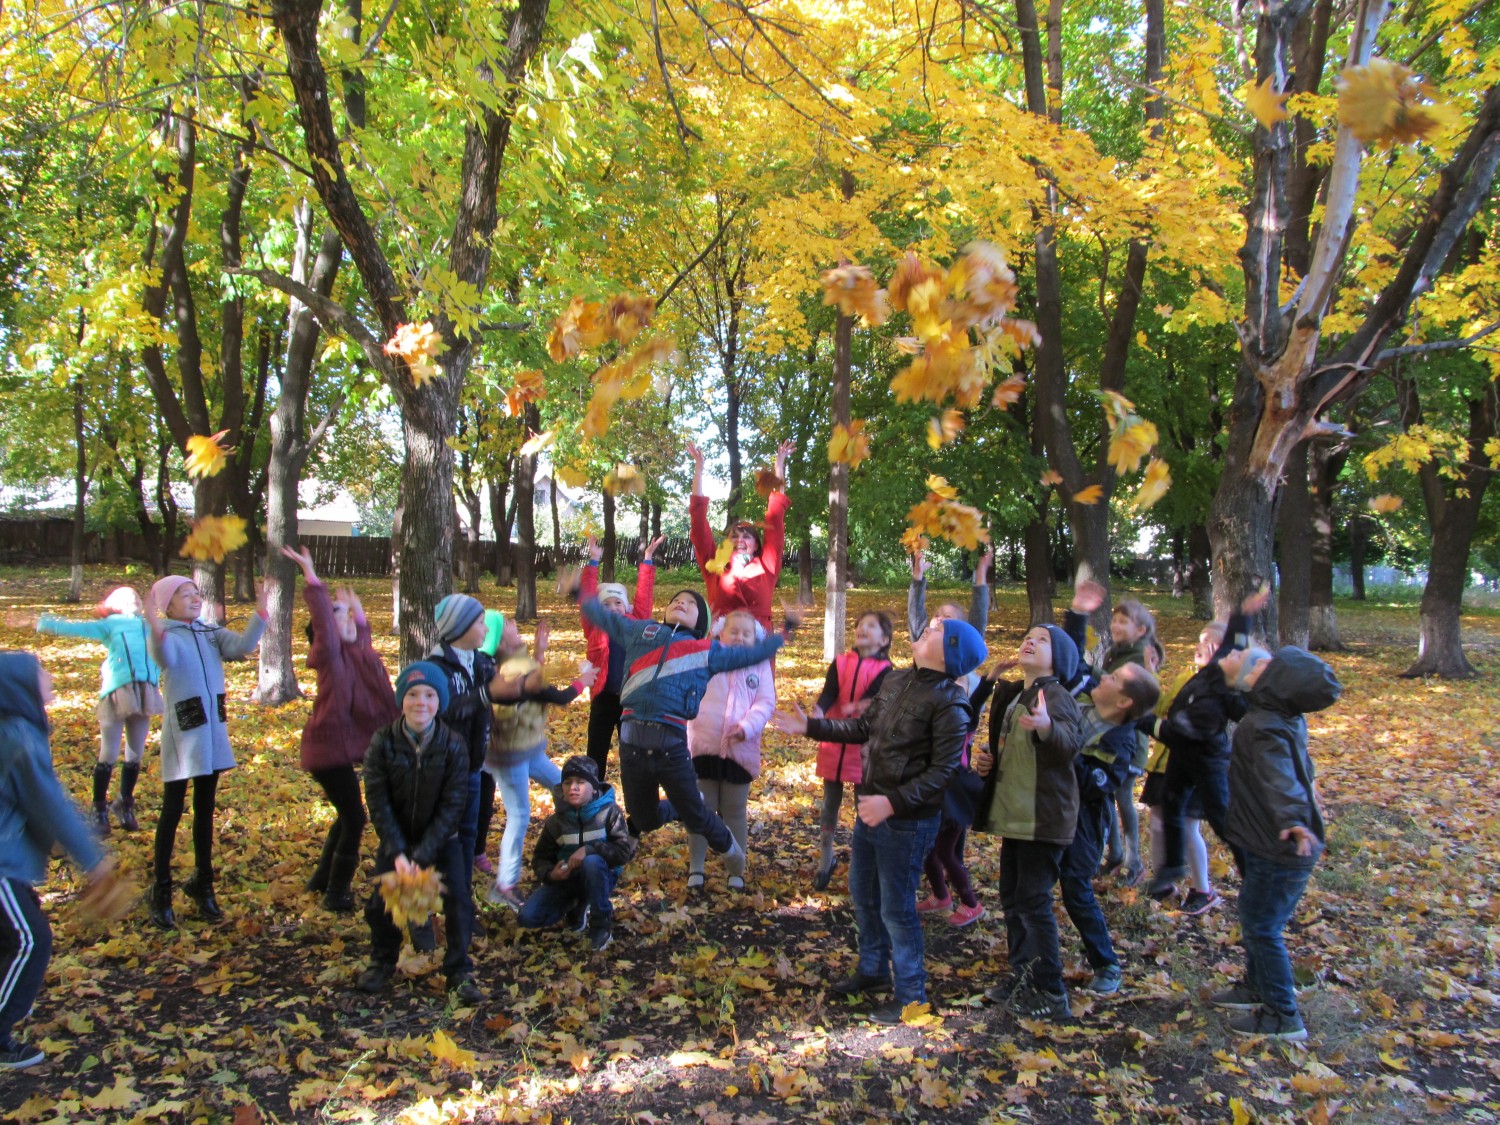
[[80, 489], [557, 521], [1040, 585], [835, 591], [732, 448], [398, 534], [609, 541], [1199, 562], [1295, 570], [1359, 542], [655, 519], [1325, 462], [805, 570], [502, 516], [526, 525]]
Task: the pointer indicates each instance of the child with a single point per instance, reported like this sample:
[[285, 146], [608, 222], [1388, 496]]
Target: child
[[1132, 630], [128, 697], [518, 755], [578, 856], [724, 740], [1275, 821], [194, 738], [34, 813], [914, 732], [494, 626], [354, 700], [978, 613], [748, 579], [852, 679], [668, 664], [1031, 802], [1188, 830], [417, 786], [604, 703]]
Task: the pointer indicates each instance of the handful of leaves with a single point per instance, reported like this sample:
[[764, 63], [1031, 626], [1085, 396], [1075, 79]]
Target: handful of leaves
[[411, 893]]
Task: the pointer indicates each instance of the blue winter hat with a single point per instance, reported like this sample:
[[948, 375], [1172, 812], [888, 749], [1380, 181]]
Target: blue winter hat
[[423, 672], [454, 614], [1064, 654], [963, 648]]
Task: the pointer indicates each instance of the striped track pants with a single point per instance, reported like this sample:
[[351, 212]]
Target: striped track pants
[[25, 948]]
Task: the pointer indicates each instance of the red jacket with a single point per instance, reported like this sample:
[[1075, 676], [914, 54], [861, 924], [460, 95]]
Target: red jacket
[[857, 676], [596, 638], [751, 585], [354, 697]]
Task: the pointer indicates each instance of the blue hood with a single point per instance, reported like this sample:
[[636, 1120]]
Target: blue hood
[[21, 689]]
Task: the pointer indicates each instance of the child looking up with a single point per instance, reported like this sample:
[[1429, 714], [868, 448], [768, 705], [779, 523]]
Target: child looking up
[[724, 740], [128, 697], [604, 699], [578, 856], [1031, 802], [417, 786], [914, 732], [978, 613], [853, 679], [194, 735]]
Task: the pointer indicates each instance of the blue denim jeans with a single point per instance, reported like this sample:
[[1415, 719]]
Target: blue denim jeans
[[454, 862], [512, 782], [1028, 871], [592, 884], [1080, 863], [1268, 898], [468, 834], [646, 772], [885, 866]]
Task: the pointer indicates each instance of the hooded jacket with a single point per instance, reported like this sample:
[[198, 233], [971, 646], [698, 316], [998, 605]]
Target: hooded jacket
[[194, 737], [742, 585], [1270, 770], [610, 659], [416, 798], [914, 733], [1031, 791], [126, 636], [468, 712], [598, 827], [744, 698], [1197, 719], [354, 697], [35, 813]]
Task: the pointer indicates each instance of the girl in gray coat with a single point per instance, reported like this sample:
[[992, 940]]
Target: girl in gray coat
[[194, 739]]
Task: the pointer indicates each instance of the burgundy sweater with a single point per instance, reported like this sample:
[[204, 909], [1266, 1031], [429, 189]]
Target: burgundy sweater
[[354, 697]]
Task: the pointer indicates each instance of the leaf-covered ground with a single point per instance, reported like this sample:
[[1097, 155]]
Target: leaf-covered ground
[[713, 1009]]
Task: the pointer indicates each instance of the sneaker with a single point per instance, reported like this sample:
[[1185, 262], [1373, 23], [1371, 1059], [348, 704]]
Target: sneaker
[[1034, 1003], [600, 938], [1106, 981], [504, 896], [1236, 999], [857, 984], [1002, 992], [932, 904], [486, 864], [963, 915], [1162, 892], [463, 989], [578, 918], [1198, 902], [17, 1056], [375, 979], [1269, 1025], [1131, 875]]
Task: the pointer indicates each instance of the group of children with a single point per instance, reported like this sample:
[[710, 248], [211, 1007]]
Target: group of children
[[689, 696]]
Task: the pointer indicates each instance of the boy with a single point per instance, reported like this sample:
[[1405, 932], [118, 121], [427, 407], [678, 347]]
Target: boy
[[417, 787], [578, 856], [1275, 821], [667, 666], [34, 812], [914, 732], [1031, 802], [978, 613]]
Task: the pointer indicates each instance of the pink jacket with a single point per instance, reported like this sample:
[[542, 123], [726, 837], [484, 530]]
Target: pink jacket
[[744, 698]]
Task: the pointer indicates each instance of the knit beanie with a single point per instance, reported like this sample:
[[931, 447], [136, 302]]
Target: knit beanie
[[454, 614], [494, 625], [423, 672], [582, 766], [163, 590], [700, 630], [613, 590], [1253, 656], [1064, 654], [963, 648]]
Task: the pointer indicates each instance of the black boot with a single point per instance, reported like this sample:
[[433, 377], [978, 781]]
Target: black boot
[[124, 806], [319, 879], [102, 773], [200, 888], [339, 898], [159, 900]]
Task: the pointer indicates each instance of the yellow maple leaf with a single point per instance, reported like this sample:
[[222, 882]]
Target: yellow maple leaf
[[119, 1096], [911, 272], [988, 285], [627, 316], [907, 345], [1154, 486], [1090, 495], [526, 386], [624, 480], [446, 1051], [849, 445], [1264, 103], [572, 476], [854, 291], [214, 537], [410, 896], [944, 428], [941, 487], [1129, 444], [581, 325], [537, 442], [1383, 103], [721, 558], [206, 457], [1239, 1112], [415, 341], [1385, 503]]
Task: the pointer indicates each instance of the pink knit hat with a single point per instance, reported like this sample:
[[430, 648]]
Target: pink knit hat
[[165, 589]]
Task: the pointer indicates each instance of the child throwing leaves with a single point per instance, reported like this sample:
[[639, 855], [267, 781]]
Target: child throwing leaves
[[853, 679], [128, 697], [194, 735], [604, 699], [747, 580]]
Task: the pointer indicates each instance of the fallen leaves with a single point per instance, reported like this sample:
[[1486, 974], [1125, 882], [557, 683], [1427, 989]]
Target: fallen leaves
[[449, 1053], [410, 896]]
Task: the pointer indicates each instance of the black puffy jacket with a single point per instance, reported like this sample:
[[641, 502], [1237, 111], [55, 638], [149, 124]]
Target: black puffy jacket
[[416, 801], [914, 732]]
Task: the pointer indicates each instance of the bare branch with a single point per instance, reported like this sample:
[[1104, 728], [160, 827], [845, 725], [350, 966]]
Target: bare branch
[[331, 315], [1436, 346]]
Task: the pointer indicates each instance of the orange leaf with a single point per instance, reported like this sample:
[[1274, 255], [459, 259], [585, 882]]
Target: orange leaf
[[1090, 495], [214, 537], [849, 446], [1385, 503]]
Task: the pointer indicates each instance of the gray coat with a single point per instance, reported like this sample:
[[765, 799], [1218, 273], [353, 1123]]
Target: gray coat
[[194, 738]]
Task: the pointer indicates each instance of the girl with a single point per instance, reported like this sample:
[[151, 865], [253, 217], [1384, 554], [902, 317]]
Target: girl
[[724, 740], [354, 700], [128, 697], [517, 753], [748, 579], [604, 701], [853, 679], [194, 739]]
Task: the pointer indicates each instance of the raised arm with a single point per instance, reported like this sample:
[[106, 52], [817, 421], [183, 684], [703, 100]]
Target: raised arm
[[916, 597], [979, 597], [235, 646], [84, 630], [645, 581]]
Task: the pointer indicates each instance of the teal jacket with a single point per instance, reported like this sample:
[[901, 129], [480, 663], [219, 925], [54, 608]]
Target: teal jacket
[[127, 662]]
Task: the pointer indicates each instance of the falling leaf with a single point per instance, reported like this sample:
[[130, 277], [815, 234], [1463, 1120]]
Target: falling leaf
[[985, 281], [1008, 392], [1385, 503], [537, 442], [767, 482], [855, 292], [571, 476], [580, 326], [910, 273], [624, 480], [1383, 103], [944, 428], [627, 316], [941, 486], [1129, 444], [411, 896], [418, 345], [446, 1051], [849, 446], [1090, 495], [1264, 103], [721, 557], [1154, 486], [206, 456], [907, 345], [214, 537], [1051, 478], [526, 387]]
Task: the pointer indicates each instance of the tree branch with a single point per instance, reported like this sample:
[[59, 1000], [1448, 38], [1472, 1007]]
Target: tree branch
[[1436, 346], [331, 315]]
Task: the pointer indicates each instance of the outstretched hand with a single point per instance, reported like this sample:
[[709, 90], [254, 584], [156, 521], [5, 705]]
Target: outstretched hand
[[783, 451], [1087, 596], [1256, 601], [592, 549], [1038, 720], [650, 555], [999, 669], [918, 566], [696, 454], [304, 560], [790, 722]]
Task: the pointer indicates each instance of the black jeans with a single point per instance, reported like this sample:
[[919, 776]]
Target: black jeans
[[453, 863], [604, 720], [486, 813], [1208, 777], [341, 787], [1028, 871], [174, 798], [648, 770], [1080, 863]]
